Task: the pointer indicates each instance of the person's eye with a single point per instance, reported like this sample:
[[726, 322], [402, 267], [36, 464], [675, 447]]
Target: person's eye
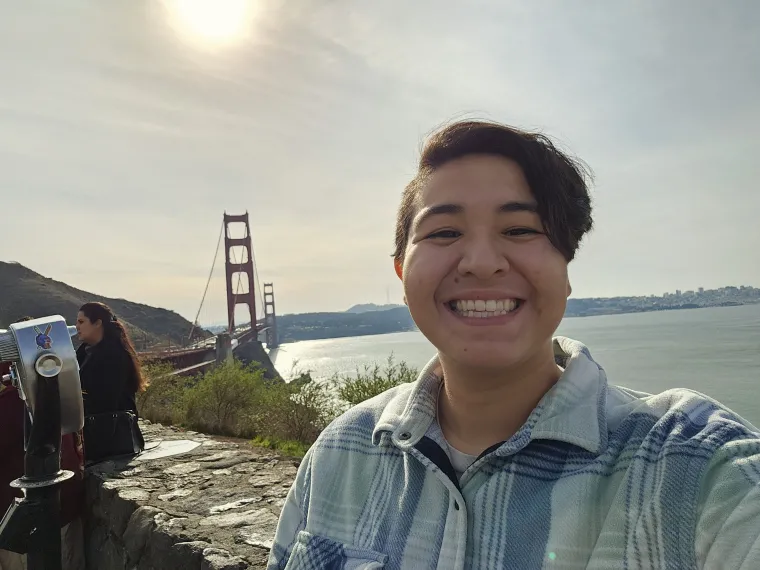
[[517, 232], [444, 234]]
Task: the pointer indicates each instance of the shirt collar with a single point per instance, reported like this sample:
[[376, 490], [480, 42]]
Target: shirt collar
[[573, 410]]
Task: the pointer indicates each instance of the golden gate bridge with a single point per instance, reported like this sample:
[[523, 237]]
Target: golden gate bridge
[[241, 285]]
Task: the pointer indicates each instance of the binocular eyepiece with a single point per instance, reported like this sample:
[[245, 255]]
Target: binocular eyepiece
[[43, 348], [46, 372]]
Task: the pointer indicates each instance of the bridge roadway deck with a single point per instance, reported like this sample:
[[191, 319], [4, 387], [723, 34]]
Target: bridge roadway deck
[[193, 360]]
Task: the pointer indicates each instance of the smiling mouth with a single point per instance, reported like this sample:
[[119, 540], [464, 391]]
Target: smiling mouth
[[479, 309]]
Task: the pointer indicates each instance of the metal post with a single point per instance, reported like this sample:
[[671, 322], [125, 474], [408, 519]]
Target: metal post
[[32, 525], [45, 372]]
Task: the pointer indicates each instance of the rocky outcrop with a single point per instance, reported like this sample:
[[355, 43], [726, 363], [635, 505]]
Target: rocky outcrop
[[253, 352], [189, 502]]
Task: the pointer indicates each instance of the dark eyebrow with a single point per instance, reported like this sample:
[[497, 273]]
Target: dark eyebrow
[[439, 210], [518, 207], [443, 209]]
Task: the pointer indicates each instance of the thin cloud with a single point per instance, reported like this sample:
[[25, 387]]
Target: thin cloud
[[132, 142]]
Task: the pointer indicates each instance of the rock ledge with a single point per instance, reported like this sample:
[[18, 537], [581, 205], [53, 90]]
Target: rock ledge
[[212, 507]]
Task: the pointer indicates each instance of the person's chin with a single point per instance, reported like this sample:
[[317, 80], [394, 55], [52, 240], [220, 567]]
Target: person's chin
[[492, 354]]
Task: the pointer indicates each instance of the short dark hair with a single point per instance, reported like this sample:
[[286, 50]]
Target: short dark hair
[[557, 181]]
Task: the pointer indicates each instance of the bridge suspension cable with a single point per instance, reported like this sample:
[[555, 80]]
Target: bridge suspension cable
[[210, 274], [257, 282]]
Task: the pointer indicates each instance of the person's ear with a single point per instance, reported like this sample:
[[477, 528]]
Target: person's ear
[[398, 266]]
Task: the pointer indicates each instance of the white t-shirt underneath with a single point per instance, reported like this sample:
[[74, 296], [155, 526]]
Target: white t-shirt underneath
[[459, 461]]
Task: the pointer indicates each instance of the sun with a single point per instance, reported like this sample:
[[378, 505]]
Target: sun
[[211, 21]]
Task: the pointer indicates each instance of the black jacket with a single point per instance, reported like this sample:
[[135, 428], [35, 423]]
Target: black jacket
[[107, 375]]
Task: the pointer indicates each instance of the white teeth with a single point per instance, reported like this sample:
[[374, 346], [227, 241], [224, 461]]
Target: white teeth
[[484, 309]]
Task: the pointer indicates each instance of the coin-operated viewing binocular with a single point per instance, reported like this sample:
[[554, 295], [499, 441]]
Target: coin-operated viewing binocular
[[45, 371]]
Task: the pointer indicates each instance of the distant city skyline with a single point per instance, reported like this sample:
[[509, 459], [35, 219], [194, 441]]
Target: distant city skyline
[[130, 126], [665, 295]]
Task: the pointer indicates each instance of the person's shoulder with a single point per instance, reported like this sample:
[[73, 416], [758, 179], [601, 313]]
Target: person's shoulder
[[371, 413], [679, 415], [727, 511], [359, 428], [114, 351]]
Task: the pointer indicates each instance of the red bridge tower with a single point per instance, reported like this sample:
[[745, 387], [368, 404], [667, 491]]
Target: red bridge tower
[[233, 266], [270, 318]]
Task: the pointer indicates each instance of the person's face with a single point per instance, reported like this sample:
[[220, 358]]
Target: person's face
[[88, 332], [482, 280]]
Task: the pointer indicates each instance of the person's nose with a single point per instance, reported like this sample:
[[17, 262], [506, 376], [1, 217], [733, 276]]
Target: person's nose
[[483, 258]]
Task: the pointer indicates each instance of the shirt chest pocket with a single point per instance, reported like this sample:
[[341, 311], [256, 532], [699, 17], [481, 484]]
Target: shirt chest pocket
[[312, 552]]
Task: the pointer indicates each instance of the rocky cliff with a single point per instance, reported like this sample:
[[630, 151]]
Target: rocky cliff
[[189, 502]]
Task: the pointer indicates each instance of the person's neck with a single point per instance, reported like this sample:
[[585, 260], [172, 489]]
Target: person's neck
[[480, 408], [96, 341]]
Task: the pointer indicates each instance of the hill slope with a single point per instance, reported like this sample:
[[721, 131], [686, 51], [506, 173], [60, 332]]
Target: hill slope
[[370, 307], [311, 326], [25, 292]]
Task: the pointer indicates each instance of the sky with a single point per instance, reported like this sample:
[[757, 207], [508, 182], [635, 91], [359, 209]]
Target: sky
[[128, 128]]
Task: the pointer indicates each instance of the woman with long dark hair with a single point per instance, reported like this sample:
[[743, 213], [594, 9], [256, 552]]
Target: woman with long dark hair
[[111, 376]]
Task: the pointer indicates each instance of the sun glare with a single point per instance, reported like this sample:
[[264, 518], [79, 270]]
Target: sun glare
[[211, 21]]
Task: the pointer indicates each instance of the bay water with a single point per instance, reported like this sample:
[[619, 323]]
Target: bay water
[[715, 351]]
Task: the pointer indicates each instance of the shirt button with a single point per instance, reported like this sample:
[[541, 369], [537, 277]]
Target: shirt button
[[404, 435], [456, 505]]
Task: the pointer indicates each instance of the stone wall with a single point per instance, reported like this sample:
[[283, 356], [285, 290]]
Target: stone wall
[[189, 502]]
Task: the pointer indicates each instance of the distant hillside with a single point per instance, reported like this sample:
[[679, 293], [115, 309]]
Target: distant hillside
[[24, 292], [310, 326], [369, 307]]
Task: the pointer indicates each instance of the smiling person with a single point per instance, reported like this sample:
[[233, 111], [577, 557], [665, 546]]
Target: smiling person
[[511, 449]]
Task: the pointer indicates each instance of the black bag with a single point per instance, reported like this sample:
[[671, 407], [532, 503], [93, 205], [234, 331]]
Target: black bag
[[111, 434]]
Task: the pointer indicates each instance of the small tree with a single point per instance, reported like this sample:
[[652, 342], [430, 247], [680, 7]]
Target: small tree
[[220, 402], [310, 409]]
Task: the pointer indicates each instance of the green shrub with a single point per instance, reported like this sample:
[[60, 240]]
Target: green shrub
[[222, 399], [162, 401], [297, 411], [372, 380], [291, 448], [236, 400]]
